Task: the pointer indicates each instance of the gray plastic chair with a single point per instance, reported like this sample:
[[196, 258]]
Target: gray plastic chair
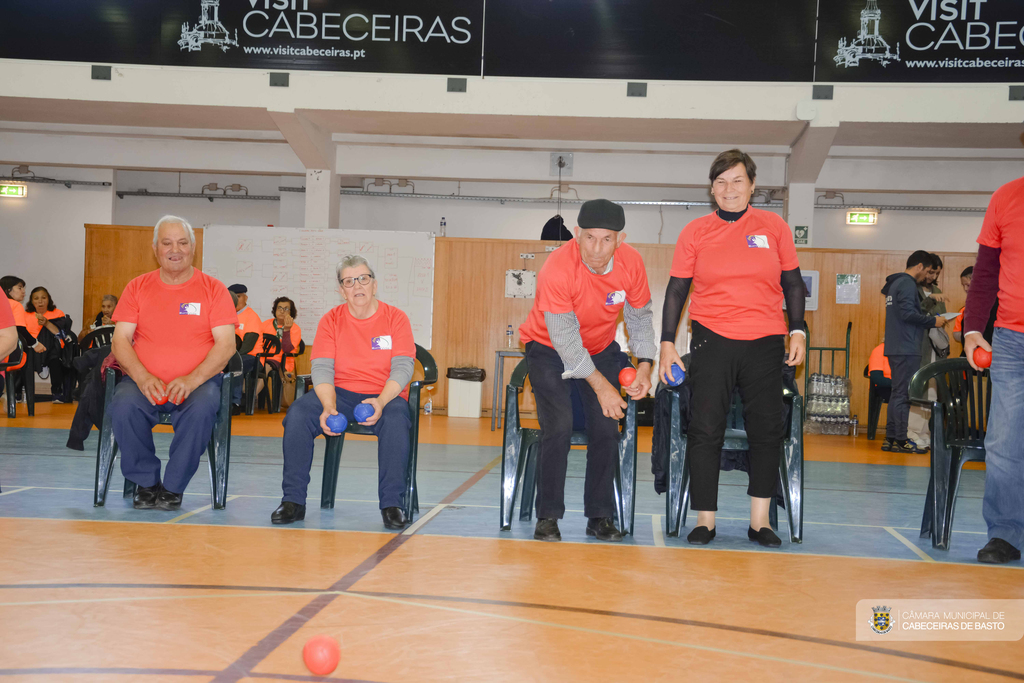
[[218, 453], [521, 450], [958, 421]]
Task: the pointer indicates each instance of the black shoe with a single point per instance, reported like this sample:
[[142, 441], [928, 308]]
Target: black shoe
[[288, 512], [603, 528], [701, 535], [547, 530], [765, 537], [235, 410], [998, 551], [168, 500], [888, 444], [394, 518], [145, 497]]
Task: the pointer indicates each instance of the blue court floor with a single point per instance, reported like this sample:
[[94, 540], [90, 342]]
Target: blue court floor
[[871, 511]]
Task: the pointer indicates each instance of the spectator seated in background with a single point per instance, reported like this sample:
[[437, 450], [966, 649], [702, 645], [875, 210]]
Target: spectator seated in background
[[282, 325], [104, 317], [363, 354], [248, 321], [52, 328], [8, 334], [878, 367], [14, 289], [174, 333]]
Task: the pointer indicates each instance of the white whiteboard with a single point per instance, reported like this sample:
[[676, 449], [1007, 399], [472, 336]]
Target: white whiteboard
[[300, 263]]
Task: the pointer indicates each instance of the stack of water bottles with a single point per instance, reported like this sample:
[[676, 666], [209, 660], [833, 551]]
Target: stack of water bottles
[[828, 405]]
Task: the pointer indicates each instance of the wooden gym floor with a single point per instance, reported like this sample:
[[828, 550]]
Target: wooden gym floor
[[116, 594]]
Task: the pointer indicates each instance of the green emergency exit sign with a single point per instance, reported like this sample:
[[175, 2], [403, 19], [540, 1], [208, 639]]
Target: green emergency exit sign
[[13, 190], [861, 217]]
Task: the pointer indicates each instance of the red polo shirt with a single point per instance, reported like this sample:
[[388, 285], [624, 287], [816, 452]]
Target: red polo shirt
[[566, 285], [737, 272], [362, 349], [1004, 229], [174, 323]]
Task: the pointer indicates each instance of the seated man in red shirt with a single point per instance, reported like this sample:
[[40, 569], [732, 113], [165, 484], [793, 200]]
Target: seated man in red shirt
[[174, 332], [570, 339], [248, 321], [363, 353]]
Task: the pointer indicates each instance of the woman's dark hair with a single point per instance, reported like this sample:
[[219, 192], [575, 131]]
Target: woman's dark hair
[[9, 282], [936, 262], [726, 160], [920, 257], [273, 311], [50, 306], [967, 272]]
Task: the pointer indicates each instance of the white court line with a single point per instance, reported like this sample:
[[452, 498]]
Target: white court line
[[23, 488], [903, 539], [659, 535], [418, 524], [196, 511]]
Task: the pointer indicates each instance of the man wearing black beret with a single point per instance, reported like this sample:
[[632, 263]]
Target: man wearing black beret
[[570, 337]]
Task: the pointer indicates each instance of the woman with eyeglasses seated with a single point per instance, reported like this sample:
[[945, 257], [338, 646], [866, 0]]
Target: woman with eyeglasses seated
[[363, 353], [283, 326]]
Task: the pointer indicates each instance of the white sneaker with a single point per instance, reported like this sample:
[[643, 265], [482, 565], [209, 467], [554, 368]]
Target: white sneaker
[[44, 373]]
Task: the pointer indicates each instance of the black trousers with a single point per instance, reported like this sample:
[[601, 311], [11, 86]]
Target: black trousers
[[719, 365], [554, 411], [898, 414]]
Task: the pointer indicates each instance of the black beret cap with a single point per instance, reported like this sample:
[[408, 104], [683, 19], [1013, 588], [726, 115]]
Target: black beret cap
[[238, 289], [601, 213]]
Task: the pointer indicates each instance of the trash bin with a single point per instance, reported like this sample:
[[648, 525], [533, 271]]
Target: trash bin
[[465, 389]]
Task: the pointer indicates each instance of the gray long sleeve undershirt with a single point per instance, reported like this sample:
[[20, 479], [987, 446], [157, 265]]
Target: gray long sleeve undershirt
[[564, 331], [322, 371]]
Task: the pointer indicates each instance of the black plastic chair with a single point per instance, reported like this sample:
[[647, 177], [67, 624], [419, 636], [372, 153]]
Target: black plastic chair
[[244, 345], [335, 444], [958, 423], [101, 336], [273, 371], [877, 395], [521, 451], [218, 453], [791, 465], [12, 367]]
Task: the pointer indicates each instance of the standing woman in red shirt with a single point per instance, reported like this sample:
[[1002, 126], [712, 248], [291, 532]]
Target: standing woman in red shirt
[[741, 262]]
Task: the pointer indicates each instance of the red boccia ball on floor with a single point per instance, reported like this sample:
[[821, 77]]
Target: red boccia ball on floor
[[321, 654], [982, 357], [626, 376]]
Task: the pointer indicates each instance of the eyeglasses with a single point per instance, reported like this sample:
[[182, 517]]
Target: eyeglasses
[[350, 282]]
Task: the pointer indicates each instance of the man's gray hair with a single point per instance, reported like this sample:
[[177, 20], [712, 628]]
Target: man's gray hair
[[110, 297], [351, 261], [234, 298], [174, 219]]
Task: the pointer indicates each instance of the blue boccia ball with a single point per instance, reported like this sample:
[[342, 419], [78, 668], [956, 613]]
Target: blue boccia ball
[[363, 412], [337, 423], [678, 375]]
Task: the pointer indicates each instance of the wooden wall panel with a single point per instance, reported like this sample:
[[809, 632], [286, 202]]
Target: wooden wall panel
[[114, 256], [471, 311]]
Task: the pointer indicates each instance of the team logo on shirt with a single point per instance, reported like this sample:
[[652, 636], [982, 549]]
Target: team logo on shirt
[[615, 298], [188, 309], [757, 241], [381, 343]]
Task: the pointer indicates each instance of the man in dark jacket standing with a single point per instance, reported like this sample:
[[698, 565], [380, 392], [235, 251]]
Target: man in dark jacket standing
[[905, 326]]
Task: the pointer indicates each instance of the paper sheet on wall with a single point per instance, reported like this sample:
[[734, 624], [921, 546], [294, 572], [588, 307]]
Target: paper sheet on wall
[[848, 288]]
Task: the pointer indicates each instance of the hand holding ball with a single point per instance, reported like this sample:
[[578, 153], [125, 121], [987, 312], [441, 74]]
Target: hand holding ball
[[982, 357], [322, 653], [627, 376], [678, 375], [162, 400], [337, 424], [363, 412]]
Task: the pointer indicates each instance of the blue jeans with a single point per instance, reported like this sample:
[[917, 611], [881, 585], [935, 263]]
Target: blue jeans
[[302, 426], [133, 418], [1003, 506]]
